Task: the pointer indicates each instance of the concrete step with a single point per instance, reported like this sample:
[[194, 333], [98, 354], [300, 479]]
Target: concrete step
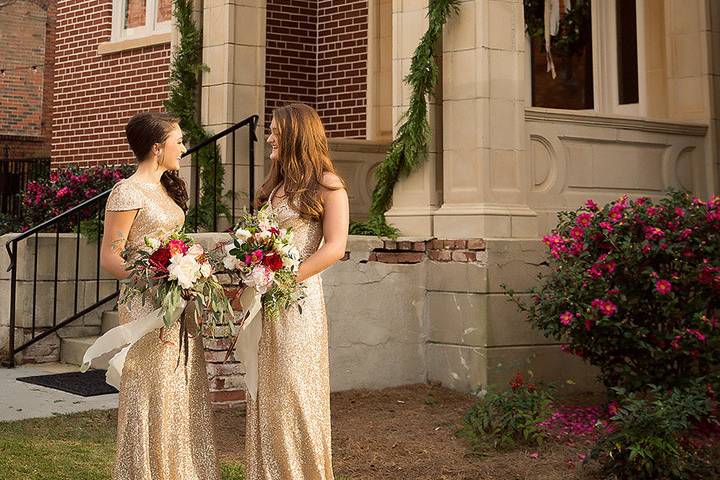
[[110, 319], [73, 349]]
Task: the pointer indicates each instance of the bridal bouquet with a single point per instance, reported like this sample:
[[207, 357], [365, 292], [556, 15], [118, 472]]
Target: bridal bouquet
[[262, 255], [173, 271]]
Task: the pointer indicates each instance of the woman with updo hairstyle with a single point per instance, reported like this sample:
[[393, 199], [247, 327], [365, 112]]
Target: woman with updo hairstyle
[[165, 425]]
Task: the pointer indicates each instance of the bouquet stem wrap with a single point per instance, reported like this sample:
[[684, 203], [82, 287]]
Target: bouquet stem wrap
[[122, 338], [246, 346]]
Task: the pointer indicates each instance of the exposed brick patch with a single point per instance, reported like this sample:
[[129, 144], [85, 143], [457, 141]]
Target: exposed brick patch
[[225, 378], [408, 252], [227, 397], [96, 94]]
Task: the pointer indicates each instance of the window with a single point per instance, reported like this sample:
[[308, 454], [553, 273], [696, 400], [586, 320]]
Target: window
[[140, 18], [603, 69]]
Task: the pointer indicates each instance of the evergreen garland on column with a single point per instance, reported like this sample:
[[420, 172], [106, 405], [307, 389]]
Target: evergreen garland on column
[[408, 150], [185, 73]]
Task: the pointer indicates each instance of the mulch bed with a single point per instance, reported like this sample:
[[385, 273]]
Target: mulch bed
[[409, 432]]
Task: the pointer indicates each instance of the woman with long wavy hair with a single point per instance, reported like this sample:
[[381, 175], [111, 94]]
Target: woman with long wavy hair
[[288, 423]]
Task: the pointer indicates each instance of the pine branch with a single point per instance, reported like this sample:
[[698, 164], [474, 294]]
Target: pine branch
[[409, 149]]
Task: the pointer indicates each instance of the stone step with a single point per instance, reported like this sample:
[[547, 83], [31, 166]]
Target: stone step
[[73, 349], [110, 319]]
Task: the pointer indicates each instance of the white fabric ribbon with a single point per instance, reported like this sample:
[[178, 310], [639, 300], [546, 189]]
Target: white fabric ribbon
[[551, 27], [124, 337], [246, 345]]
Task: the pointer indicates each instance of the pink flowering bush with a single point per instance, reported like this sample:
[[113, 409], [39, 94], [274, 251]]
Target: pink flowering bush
[[66, 188], [634, 288]]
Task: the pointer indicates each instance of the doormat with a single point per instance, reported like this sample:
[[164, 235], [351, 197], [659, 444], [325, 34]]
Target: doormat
[[86, 384]]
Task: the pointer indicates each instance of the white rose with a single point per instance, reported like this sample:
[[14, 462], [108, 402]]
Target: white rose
[[196, 250], [242, 234], [229, 262], [206, 270], [261, 278], [185, 269]]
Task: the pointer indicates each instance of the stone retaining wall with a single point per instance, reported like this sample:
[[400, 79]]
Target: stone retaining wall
[[399, 311]]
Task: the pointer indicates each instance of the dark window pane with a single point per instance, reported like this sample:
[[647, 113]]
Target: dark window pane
[[573, 87], [627, 51]]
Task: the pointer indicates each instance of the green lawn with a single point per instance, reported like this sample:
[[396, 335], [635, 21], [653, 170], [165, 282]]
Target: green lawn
[[73, 447]]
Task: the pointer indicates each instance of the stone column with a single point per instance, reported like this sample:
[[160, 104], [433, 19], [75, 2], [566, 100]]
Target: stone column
[[234, 87], [415, 198], [485, 175]]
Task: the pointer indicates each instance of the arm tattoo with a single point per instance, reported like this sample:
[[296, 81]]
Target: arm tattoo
[[119, 241]]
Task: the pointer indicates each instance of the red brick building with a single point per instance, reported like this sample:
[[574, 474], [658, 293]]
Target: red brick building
[[27, 43], [113, 59]]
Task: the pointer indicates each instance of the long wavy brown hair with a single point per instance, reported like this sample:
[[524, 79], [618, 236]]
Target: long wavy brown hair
[[303, 160]]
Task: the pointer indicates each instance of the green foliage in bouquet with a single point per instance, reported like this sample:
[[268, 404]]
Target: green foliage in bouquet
[[652, 437], [151, 275], [409, 149], [273, 248], [185, 71], [505, 419], [634, 288]]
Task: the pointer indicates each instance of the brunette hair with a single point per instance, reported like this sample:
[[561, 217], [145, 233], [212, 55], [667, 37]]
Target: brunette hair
[[143, 131], [304, 159]]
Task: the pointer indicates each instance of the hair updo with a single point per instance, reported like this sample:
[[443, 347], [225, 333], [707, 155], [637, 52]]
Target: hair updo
[[143, 131]]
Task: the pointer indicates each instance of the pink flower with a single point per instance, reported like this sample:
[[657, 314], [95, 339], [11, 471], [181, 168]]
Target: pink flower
[[646, 249], [177, 246], [698, 334], [64, 191], [566, 318], [534, 455], [641, 201], [584, 219], [595, 271], [713, 216], [663, 287], [685, 233], [606, 226], [679, 212], [653, 233], [577, 233], [675, 344], [591, 205], [613, 408], [606, 307]]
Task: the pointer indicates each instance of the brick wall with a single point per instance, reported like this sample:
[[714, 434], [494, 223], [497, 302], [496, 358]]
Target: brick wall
[[317, 54], [96, 94], [27, 38], [342, 66], [291, 55]]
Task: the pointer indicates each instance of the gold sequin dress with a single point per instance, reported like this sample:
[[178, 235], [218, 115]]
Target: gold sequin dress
[[288, 426], [165, 428]]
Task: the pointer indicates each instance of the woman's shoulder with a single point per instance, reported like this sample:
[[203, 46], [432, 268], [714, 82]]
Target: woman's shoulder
[[332, 181], [125, 195]]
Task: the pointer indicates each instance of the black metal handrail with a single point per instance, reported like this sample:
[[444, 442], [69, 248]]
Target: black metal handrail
[[92, 211]]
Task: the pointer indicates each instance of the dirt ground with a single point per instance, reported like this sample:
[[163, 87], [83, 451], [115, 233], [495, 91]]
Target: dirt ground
[[409, 433]]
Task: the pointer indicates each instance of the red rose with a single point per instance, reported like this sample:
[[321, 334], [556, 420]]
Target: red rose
[[160, 259], [273, 261]]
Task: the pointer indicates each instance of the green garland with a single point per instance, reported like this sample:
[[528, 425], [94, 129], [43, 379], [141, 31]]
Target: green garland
[[185, 72], [409, 149], [574, 26]]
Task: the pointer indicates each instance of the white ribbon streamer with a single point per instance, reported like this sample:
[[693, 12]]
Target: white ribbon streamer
[[551, 26], [124, 337], [246, 346]]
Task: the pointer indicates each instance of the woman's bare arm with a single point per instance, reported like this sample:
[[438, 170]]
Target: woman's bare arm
[[335, 230], [115, 235]]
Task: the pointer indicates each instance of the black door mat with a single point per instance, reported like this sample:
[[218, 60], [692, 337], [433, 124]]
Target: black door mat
[[86, 384]]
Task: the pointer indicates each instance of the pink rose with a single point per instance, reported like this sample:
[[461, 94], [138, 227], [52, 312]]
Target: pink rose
[[663, 287]]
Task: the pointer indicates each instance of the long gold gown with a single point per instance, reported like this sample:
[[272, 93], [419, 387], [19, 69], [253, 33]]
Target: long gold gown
[[165, 424], [288, 425]]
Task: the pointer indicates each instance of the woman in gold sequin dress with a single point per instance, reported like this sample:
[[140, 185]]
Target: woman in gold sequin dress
[[165, 429], [288, 424]]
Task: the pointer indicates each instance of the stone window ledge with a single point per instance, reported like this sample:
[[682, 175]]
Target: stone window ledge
[[133, 43], [536, 114]]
